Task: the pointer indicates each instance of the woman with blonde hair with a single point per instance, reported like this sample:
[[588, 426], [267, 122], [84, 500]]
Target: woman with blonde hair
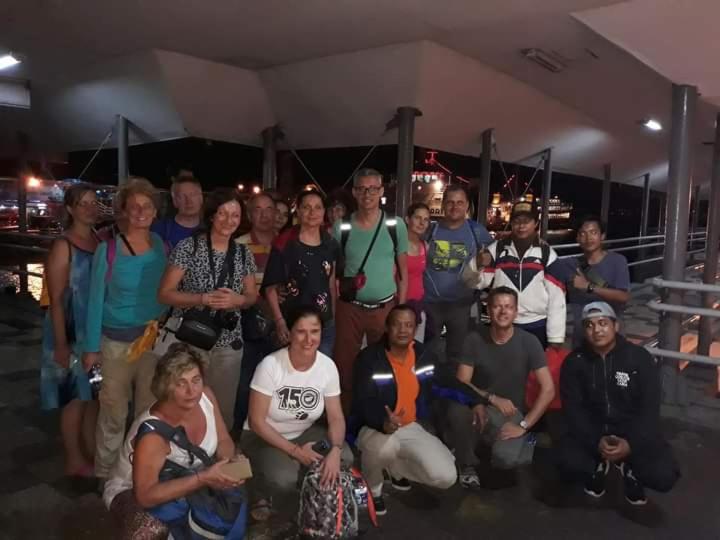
[[122, 317], [63, 381], [183, 401]]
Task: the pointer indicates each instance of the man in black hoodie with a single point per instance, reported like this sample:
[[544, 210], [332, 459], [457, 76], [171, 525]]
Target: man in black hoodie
[[610, 390], [394, 384]]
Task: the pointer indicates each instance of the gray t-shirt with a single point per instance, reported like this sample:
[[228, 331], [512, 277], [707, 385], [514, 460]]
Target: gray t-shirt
[[503, 369]]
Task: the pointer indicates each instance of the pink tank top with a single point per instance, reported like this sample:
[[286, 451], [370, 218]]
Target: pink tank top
[[416, 269]]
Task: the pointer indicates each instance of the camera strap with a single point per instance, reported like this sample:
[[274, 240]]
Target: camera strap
[[227, 271]]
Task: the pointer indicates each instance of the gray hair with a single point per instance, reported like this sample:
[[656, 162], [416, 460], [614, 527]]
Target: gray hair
[[364, 172]]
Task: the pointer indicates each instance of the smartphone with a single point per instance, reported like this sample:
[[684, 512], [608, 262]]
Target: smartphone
[[239, 469], [322, 447]]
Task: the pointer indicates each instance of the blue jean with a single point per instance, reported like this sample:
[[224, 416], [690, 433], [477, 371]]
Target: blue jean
[[328, 339]]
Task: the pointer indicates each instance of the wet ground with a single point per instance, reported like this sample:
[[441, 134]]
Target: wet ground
[[36, 502]]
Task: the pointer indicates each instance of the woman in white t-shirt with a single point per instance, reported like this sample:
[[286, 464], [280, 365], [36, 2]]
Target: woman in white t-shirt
[[291, 389], [183, 400]]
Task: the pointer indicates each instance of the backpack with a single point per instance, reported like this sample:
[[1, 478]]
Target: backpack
[[205, 513], [333, 513]]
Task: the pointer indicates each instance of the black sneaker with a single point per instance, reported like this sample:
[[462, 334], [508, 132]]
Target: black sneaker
[[468, 478], [401, 484], [379, 504], [634, 492], [595, 486]]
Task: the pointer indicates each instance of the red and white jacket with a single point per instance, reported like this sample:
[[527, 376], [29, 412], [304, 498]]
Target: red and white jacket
[[541, 292]]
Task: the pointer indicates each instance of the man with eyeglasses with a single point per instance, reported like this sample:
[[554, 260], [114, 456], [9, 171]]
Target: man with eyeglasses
[[372, 275], [530, 267], [452, 243], [596, 275], [187, 198]]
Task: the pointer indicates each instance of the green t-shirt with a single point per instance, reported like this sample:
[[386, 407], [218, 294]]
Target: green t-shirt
[[380, 266]]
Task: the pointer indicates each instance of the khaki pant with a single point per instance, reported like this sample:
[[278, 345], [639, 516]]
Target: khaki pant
[[410, 452], [116, 392], [223, 376]]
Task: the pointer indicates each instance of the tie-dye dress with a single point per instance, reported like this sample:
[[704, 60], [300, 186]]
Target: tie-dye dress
[[58, 385]]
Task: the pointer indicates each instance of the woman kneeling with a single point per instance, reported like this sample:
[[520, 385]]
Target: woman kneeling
[[183, 402]]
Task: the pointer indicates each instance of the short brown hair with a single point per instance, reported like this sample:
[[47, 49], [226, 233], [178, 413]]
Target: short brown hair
[[136, 185], [179, 358]]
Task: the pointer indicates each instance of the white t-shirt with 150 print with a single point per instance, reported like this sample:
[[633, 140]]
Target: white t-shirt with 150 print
[[298, 397]]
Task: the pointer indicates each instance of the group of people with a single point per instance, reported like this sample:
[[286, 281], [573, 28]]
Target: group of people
[[327, 327]]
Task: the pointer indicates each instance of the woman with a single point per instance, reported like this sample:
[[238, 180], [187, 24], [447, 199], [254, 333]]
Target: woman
[[122, 317], [290, 390], [418, 221], [336, 211], [302, 264], [224, 284], [182, 400], [282, 216], [63, 381]]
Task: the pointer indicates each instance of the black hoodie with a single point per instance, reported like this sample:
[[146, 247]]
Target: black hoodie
[[618, 395]]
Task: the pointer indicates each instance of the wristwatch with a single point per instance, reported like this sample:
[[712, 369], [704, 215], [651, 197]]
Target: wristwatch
[[590, 288], [524, 424]]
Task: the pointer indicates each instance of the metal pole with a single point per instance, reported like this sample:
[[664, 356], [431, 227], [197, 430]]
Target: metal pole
[[406, 158], [546, 193], [645, 205], [605, 203], [711, 246], [269, 136], [694, 214], [484, 186], [122, 146], [684, 100]]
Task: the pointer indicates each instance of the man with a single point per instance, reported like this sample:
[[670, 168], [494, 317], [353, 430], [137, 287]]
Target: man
[[395, 382], [452, 243], [187, 198], [374, 249], [497, 361], [529, 266], [256, 321], [596, 275], [610, 390]]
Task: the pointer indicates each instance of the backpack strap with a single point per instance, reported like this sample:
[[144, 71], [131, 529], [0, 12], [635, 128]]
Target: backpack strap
[[110, 254], [176, 435], [545, 248]]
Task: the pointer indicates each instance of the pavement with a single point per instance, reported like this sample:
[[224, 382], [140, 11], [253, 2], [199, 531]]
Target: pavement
[[37, 502]]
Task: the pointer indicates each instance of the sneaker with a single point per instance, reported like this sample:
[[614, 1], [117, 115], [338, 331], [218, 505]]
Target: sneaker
[[468, 478], [634, 492], [379, 504], [401, 484], [595, 486]]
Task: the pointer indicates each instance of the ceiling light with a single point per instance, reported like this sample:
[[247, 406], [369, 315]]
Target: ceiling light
[[544, 59], [8, 60], [652, 125]]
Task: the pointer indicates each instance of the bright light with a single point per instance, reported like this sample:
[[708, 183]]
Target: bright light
[[438, 185], [256, 189], [7, 61], [33, 182], [383, 200], [652, 125], [419, 188], [241, 187]]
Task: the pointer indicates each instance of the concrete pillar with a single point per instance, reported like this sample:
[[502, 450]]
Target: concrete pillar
[[269, 137], [605, 201], [406, 157], [684, 101], [485, 168], [645, 205], [546, 193], [122, 146], [711, 247]]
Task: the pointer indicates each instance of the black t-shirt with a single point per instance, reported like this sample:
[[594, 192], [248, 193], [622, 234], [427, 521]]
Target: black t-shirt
[[303, 270], [503, 369]]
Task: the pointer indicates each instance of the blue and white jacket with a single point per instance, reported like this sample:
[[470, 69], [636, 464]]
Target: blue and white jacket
[[374, 387]]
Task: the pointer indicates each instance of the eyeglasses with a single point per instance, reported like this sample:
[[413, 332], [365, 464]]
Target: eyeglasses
[[374, 190]]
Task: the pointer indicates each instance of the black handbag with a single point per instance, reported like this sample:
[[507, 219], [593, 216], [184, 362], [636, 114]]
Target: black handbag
[[201, 327], [349, 286]]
